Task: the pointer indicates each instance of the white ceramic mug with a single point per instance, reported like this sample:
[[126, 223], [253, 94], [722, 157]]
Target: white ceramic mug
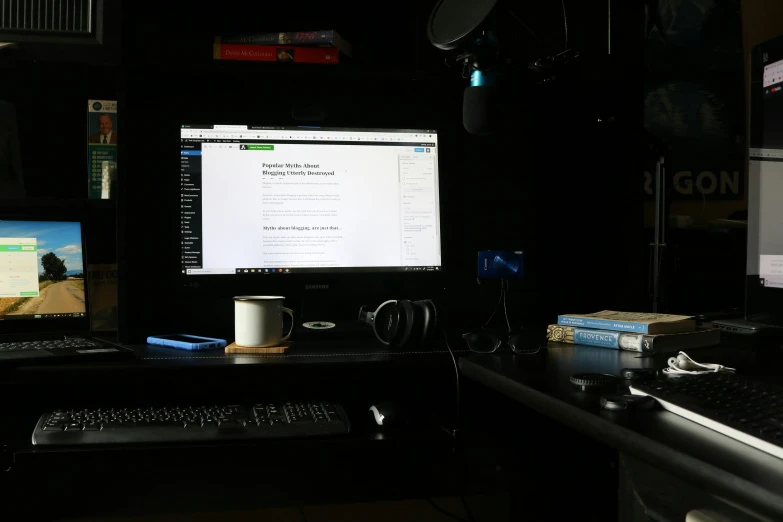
[[258, 320]]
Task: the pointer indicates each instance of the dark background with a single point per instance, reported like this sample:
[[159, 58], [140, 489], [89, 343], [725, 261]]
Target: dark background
[[555, 182]]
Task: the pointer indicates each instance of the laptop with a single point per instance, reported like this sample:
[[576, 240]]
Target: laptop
[[44, 305]]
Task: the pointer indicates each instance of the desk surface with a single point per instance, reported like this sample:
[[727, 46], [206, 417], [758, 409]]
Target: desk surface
[[351, 351], [701, 456]]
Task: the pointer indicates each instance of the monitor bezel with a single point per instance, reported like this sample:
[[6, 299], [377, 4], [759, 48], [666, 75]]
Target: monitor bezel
[[347, 280]]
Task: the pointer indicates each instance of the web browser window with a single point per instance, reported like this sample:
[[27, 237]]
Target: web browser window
[[286, 200]]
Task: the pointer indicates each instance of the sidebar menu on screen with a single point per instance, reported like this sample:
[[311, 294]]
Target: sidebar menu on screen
[[190, 209]]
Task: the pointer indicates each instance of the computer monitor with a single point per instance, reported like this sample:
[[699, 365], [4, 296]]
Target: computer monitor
[[41, 271], [765, 211], [274, 202]]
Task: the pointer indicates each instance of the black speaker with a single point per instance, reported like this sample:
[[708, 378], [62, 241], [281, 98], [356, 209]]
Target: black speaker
[[403, 323]]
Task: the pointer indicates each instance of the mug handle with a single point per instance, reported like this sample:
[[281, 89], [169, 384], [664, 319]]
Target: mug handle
[[291, 313]]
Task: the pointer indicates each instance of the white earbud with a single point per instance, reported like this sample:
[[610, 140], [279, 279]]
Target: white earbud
[[683, 364]]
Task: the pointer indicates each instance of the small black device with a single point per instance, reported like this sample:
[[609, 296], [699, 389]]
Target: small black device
[[403, 323], [705, 319], [626, 402], [637, 374], [190, 423], [739, 326], [746, 410], [594, 381]]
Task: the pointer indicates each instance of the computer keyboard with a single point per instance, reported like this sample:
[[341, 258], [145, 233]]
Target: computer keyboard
[[52, 344], [745, 410], [190, 423]]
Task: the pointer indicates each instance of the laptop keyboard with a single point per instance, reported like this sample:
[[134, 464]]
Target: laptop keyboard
[[55, 344]]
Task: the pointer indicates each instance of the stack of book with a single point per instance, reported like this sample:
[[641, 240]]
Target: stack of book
[[293, 47], [647, 333]]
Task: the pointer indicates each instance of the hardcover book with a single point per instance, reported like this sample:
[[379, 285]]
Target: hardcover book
[[646, 323], [276, 53], [647, 344], [326, 37]]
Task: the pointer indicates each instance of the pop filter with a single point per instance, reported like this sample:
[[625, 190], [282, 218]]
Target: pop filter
[[455, 24]]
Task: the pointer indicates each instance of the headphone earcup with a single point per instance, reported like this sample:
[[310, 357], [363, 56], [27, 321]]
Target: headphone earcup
[[407, 311], [417, 328], [429, 319]]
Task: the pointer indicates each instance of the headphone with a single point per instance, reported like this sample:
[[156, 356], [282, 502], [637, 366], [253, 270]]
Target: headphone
[[403, 323]]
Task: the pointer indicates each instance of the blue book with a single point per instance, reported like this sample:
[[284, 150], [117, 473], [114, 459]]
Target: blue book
[[647, 344], [645, 323], [602, 338], [587, 336]]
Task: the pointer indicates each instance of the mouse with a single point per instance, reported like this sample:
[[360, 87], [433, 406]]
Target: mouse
[[388, 414]]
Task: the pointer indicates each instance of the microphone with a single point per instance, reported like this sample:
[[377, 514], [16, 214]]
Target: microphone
[[479, 103], [487, 36]]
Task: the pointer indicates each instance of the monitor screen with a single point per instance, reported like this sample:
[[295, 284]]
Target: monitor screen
[[41, 270], [286, 200], [765, 184]]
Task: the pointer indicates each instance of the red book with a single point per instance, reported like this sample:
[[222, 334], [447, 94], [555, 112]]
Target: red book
[[276, 53]]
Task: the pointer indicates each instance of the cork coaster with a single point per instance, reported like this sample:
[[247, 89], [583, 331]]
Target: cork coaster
[[235, 348]]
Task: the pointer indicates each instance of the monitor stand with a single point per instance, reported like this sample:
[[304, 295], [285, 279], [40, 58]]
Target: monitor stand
[[320, 317]]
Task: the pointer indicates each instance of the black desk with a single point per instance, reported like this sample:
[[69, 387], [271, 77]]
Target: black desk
[[684, 465], [369, 463]]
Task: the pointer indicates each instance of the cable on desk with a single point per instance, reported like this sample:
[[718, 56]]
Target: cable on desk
[[444, 512], [500, 299], [456, 375], [301, 513], [471, 518]]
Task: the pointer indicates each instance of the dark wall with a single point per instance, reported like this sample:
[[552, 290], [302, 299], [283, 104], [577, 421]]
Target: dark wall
[[51, 108], [554, 182]]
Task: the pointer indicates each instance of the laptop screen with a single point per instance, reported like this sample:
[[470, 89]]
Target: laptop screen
[[41, 270]]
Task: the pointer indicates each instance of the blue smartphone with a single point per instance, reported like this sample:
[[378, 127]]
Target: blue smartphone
[[187, 342]]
